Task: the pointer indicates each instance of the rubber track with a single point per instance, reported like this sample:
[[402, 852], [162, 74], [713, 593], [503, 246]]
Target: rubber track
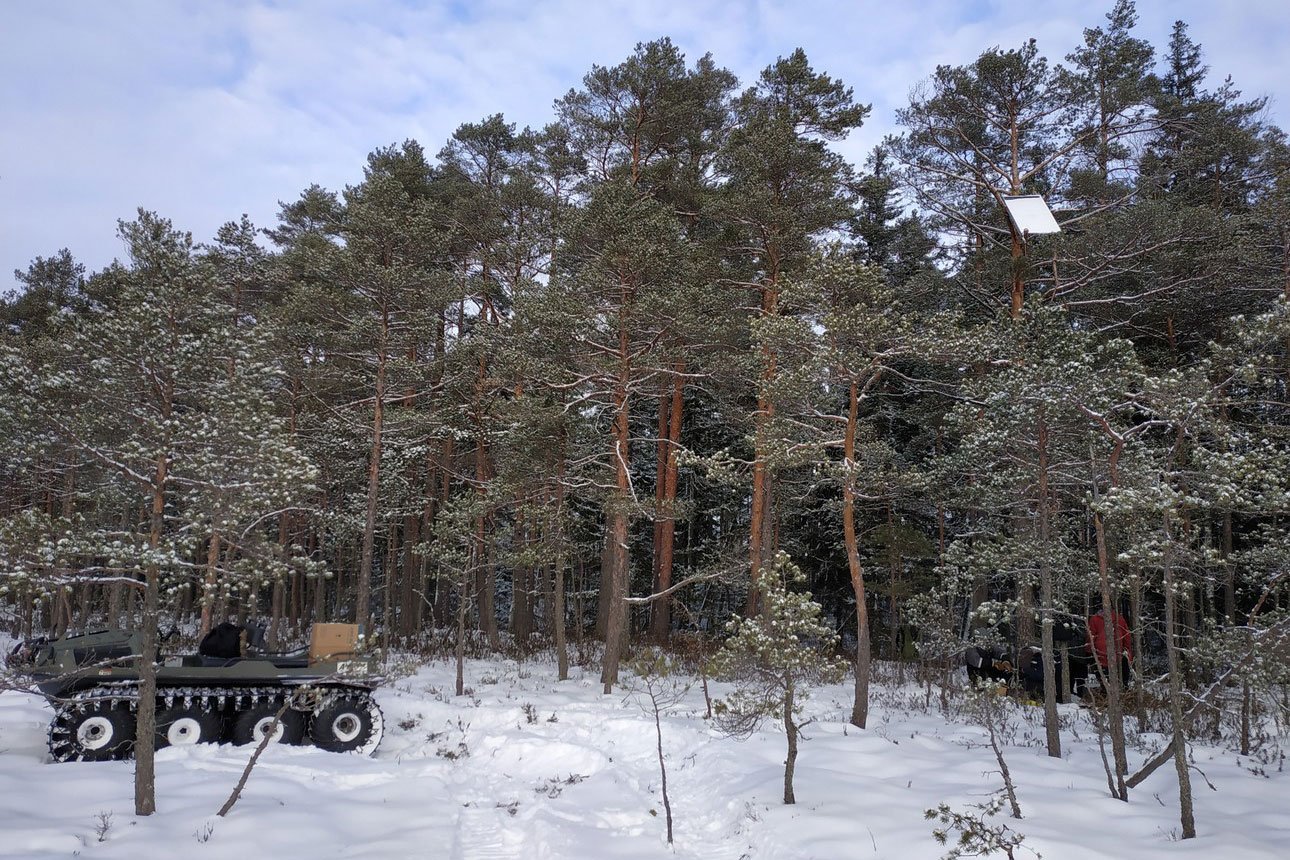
[[217, 699]]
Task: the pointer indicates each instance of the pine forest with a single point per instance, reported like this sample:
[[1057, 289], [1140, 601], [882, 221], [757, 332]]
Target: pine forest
[[668, 388]]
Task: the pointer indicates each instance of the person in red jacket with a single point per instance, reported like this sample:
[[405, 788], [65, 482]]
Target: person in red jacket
[[1097, 640]]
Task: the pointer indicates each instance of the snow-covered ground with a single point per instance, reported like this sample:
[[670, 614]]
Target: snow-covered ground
[[529, 767]]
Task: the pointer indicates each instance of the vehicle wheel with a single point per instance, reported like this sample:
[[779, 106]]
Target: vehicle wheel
[[183, 726], [348, 724], [92, 731], [250, 727]]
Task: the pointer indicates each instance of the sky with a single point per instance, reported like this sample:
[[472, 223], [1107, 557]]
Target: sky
[[203, 111]]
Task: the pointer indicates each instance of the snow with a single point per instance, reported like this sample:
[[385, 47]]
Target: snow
[[525, 766]]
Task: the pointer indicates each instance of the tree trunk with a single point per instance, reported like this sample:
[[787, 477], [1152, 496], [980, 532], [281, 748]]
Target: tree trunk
[[1175, 696], [422, 561], [443, 604], [860, 706], [662, 765], [1018, 281], [601, 627], [661, 617], [84, 608], [1229, 571], [759, 551], [1052, 730], [893, 572], [277, 603], [1114, 706], [790, 730], [579, 608], [1025, 613], [362, 600], [616, 546], [557, 588], [320, 599], [145, 774], [523, 585], [459, 650], [209, 586], [409, 576], [660, 486], [616, 616], [756, 530], [387, 589], [484, 572]]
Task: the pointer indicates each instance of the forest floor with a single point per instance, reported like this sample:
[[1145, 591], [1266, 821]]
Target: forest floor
[[525, 766]]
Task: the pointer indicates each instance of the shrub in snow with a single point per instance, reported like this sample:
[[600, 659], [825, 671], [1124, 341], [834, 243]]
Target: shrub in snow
[[656, 690], [976, 836], [774, 659]]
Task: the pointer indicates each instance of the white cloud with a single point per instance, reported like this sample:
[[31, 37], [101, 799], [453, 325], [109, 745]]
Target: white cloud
[[203, 111]]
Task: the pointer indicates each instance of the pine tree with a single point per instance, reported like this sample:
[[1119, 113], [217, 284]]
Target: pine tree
[[784, 187], [620, 287], [1110, 78], [1208, 147], [865, 335], [169, 404], [1025, 432], [51, 285], [998, 126], [773, 659]]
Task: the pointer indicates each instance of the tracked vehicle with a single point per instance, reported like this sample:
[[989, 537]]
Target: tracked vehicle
[[209, 697]]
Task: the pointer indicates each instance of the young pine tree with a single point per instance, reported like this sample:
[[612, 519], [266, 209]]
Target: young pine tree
[[774, 659]]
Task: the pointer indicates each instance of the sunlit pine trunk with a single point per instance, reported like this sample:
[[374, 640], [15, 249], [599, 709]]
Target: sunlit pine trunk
[[660, 487], [1018, 296], [661, 615], [864, 656], [616, 543], [1025, 600], [1018, 248], [759, 537]]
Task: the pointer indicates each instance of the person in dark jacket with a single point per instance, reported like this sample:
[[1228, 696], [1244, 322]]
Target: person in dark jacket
[[989, 655], [225, 641], [987, 663]]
